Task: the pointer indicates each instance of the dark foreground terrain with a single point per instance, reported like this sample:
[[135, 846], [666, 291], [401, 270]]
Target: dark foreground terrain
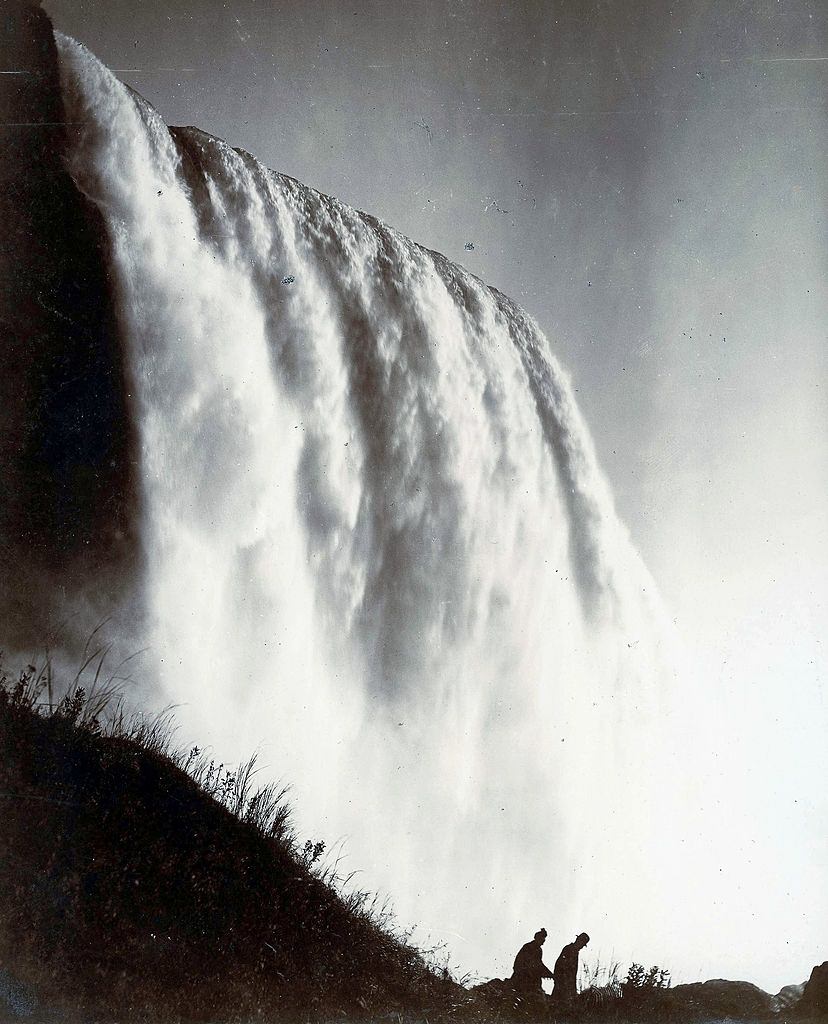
[[141, 884], [129, 889]]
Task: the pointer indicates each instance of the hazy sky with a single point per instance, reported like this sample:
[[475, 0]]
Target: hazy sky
[[649, 181]]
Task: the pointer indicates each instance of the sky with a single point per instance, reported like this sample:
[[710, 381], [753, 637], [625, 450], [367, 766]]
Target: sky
[[648, 181]]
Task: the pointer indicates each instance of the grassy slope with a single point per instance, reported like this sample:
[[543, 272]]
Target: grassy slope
[[127, 889], [131, 888]]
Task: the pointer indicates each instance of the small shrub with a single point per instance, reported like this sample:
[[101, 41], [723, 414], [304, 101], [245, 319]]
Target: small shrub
[[644, 989], [640, 979], [311, 852]]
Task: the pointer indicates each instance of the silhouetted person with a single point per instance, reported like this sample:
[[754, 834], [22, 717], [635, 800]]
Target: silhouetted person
[[529, 969], [565, 971]]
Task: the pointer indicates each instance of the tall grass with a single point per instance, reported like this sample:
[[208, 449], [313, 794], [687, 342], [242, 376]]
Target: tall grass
[[266, 808], [93, 700]]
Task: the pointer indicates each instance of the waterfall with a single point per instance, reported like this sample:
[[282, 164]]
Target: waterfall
[[376, 542]]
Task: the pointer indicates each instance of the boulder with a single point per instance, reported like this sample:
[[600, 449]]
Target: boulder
[[718, 999]]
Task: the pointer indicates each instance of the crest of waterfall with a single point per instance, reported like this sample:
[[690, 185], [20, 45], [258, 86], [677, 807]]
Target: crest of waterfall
[[377, 543]]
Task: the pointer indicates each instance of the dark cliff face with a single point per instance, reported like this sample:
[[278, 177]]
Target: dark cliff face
[[67, 488], [814, 1001]]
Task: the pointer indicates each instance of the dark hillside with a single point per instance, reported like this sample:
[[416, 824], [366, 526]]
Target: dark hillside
[[136, 884], [127, 890]]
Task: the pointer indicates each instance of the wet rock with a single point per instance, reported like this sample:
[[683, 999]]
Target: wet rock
[[787, 997]]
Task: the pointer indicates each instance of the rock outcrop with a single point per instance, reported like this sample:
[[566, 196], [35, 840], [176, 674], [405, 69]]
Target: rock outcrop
[[787, 997], [814, 1001]]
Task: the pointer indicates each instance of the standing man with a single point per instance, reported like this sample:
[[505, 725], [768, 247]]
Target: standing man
[[529, 969], [565, 972]]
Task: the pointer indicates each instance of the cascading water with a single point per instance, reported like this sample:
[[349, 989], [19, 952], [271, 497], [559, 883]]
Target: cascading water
[[377, 544]]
